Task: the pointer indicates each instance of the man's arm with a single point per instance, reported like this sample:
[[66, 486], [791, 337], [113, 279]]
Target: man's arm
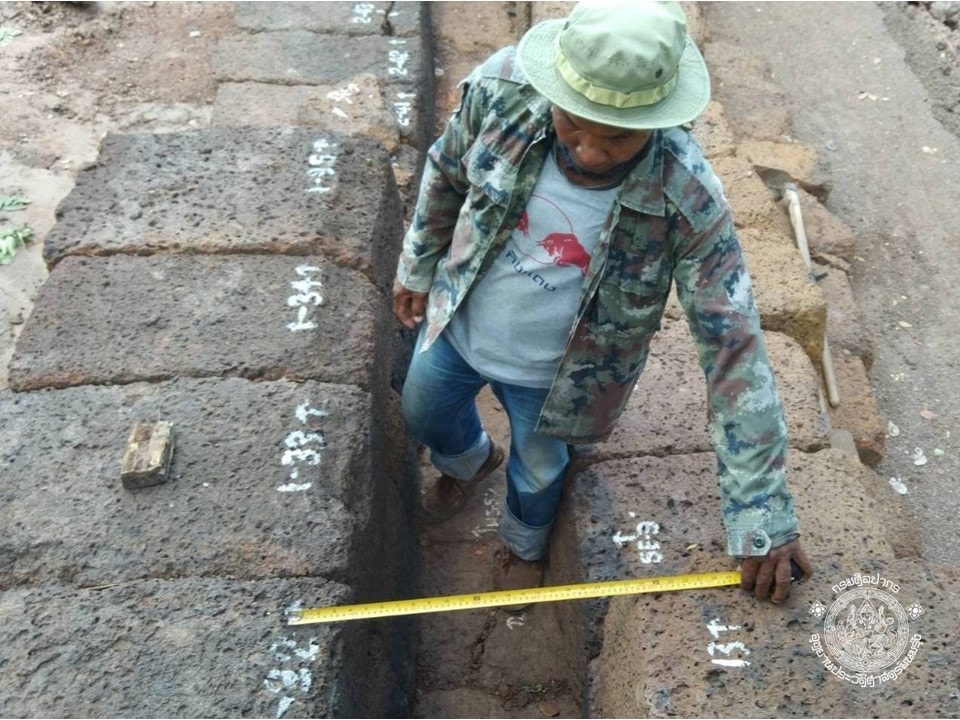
[[443, 188], [747, 427]]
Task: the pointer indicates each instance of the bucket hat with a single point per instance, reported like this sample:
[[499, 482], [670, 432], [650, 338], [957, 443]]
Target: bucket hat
[[623, 63]]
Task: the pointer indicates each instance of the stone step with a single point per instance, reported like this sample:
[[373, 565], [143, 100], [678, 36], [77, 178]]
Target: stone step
[[320, 463], [190, 647], [667, 414], [293, 191], [123, 319]]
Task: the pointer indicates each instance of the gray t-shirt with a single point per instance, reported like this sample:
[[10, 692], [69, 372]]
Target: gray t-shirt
[[514, 324]]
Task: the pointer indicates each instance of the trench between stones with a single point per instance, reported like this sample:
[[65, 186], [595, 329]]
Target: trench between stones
[[490, 662]]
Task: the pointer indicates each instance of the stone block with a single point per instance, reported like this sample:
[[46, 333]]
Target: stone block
[[236, 190], [756, 106], [149, 453], [752, 202], [858, 411], [720, 649], [645, 516], [668, 411], [121, 319], [314, 460], [300, 57], [789, 300], [361, 106], [476, 31], [187, 647], [801, 162], [826, 233], [680, 496], [713, 132], [845, 325], [341, 18]]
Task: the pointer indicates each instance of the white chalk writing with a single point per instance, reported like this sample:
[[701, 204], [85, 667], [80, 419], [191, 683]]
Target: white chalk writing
[[399, 60], [303, 448], [362, 13], [648, 547], [321, 162], [403, 107], [290, 680], [733, 648], [306, 297]]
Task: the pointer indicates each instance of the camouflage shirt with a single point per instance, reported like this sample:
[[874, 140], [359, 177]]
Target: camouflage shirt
[[670, 223]]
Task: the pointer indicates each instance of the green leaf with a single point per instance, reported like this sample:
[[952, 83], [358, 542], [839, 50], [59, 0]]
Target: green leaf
[[9, 203], [10, 239], [7, 34]]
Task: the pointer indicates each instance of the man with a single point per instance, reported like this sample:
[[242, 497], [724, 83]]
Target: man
[[555, 210]]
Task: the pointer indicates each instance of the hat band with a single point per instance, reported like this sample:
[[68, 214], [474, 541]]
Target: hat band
[[604, 96]]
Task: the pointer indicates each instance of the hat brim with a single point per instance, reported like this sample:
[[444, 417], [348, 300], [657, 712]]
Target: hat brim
[[688, 99]]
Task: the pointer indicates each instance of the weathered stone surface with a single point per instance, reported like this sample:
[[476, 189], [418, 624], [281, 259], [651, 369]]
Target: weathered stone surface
[[313, 459], [713, 132], [605, 532], [756, 107], [550, 10], [341, 18], [191, 647], [121, 319], [752, 202], [789, 300], [681, 494], [696, 23], [845, 326], [801, 162], [826, 233], [858, 411], [300, 57], [478, 30], [279, 190], [359, 106], [668, 411], [681, 639]]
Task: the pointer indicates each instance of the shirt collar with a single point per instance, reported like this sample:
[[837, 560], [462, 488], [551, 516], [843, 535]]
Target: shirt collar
[[643, 187]]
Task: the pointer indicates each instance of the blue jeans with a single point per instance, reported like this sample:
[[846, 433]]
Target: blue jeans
[[439, 406]]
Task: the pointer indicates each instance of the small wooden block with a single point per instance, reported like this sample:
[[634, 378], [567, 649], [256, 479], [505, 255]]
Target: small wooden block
[[148, 456]]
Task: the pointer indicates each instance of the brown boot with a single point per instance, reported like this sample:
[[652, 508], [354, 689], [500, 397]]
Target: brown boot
[[448, 495], [514, 573]]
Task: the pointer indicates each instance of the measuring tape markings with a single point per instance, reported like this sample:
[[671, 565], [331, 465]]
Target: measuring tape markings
[[554, 593]]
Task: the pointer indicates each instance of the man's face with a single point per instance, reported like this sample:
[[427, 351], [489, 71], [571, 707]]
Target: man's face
[[595, 147]]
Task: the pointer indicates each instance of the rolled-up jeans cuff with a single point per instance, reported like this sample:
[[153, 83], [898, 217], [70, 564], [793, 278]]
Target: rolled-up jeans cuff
[[465, 465], [527, 542]]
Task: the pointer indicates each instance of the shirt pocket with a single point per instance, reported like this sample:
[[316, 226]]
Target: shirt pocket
[[629, 306]]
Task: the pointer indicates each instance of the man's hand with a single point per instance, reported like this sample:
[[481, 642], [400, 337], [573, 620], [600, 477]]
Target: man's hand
[[772, 571], [408, 306]]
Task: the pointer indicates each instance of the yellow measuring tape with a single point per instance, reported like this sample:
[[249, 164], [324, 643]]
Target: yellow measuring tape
[[554, 593]]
